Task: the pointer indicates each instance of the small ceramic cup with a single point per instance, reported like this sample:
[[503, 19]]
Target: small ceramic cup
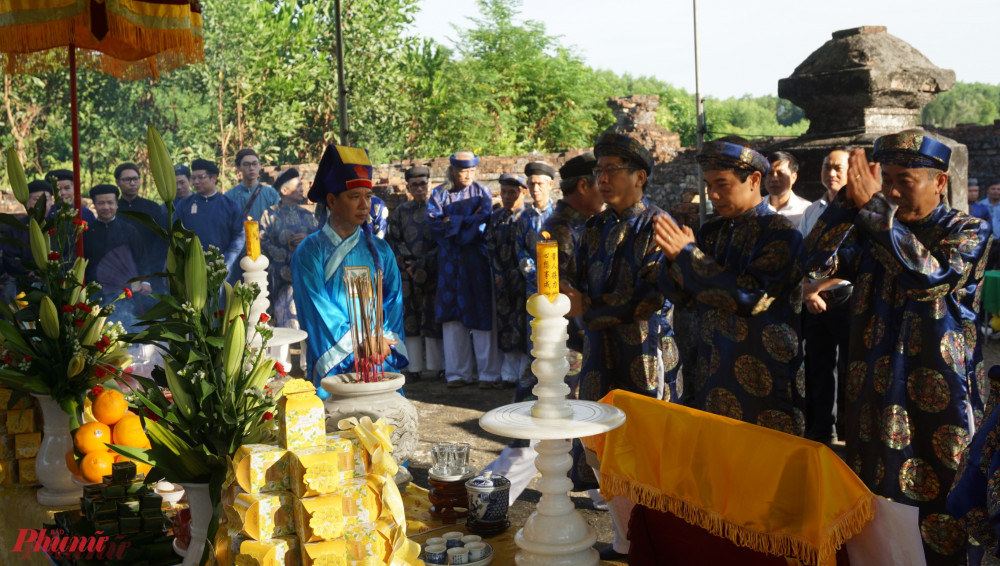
[[477, 550], [436, 554], [436, 541], [458, 555], [453, 539], [471, 538]]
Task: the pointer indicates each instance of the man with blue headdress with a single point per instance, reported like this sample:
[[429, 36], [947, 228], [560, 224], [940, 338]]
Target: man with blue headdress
[[344, 244], [509, 226], [741, 271], [459, 210], [915, 383], [611, 282]]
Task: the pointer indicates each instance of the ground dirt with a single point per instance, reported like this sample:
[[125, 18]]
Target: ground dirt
[[452, 415]]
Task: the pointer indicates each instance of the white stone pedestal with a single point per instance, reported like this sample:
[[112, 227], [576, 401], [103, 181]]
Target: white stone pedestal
[[556, 534], [255, 271]]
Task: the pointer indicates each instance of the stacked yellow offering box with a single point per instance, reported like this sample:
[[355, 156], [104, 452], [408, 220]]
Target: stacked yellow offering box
[[20, 438], [313, 500]]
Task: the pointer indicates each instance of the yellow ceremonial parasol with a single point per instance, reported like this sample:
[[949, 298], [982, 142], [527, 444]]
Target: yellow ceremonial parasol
[[127, 39]]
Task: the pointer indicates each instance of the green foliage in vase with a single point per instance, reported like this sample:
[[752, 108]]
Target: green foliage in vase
[[55, 338]]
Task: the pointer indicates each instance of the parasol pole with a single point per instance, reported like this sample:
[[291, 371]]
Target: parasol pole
[[341, 87], [74, 112]]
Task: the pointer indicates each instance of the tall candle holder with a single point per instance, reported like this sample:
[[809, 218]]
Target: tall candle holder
[[556, 533]]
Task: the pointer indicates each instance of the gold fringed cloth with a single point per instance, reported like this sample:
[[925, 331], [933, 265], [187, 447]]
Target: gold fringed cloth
[[759, 488], [127, 39]]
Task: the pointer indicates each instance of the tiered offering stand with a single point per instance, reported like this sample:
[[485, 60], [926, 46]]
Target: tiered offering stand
[[556, 533]]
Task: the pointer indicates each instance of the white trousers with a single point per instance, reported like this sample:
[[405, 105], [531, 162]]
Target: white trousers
[[425, 354], [514, 365], [518, 466], [621, 511], [460, 345]]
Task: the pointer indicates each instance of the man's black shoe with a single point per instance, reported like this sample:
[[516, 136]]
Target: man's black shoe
[[610, 554]]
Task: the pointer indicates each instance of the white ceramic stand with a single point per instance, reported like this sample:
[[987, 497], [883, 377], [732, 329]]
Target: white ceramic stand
[[556, 534], [200, 503], [50, 464], [255, 271]]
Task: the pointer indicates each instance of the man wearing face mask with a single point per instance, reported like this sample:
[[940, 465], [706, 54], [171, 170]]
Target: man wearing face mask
[[410, 237]]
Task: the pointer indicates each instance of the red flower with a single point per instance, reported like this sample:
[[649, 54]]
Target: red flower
[[79, 222], [100, 372], [127, 291], [151, 415], [84, 307], [52, 231], [28, 359], [53, 256], [264, 317], [6, 358], [243, 316], [68, 308], [78, 323], [267, 416], [220, 314], [127, 370], [280, 368], [97, 390]]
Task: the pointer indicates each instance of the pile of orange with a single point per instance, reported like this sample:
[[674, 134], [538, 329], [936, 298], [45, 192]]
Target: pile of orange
[[114, 424]]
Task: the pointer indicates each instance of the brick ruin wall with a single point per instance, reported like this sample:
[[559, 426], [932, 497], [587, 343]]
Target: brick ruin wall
[[672, 186]]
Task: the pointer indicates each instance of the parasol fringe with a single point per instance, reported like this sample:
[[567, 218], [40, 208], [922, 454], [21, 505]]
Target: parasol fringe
[[778, 544], [29, 47]]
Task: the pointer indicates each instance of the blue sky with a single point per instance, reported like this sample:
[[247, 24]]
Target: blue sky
[[744, 47]]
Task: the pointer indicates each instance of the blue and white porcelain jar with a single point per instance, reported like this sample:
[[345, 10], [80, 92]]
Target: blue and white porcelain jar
[[488, 498]]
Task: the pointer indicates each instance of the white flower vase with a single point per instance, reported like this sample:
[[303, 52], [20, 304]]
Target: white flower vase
[[200, 503], [58, 488]]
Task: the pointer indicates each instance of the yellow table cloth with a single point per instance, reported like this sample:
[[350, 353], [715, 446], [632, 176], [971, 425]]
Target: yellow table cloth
[[759, 488], [22, 511]]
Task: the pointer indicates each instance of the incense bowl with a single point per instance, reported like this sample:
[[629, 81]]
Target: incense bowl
[[379, 399]]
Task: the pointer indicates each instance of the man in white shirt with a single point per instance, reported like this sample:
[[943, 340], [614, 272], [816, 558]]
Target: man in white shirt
[[779, 180], [825, 320]]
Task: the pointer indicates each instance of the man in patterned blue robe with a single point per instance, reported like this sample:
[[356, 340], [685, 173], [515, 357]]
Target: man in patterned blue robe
[[742, 272], [915, 383], [612, 283], [409, 235], [505, 231], [459, 210], [344, 244]]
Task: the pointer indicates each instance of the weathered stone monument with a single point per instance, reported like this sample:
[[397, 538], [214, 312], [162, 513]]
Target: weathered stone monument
[[859, 85]]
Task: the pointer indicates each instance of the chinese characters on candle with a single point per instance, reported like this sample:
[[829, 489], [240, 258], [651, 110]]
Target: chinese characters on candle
[[547, 252]]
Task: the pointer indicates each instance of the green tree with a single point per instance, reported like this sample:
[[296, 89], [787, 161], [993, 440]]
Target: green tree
[[967, 103]]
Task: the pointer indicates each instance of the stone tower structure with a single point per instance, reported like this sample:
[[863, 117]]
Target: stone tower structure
[[859, 85]]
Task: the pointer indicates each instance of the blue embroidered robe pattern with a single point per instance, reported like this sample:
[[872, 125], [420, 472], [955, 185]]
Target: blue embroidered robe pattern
[[318, 276], [507, 229], [458, 219], [629, 342], [743, 276], [915, 355], [409, 235]]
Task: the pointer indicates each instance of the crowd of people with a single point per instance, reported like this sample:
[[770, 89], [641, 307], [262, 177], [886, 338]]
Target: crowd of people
[[856, 316]]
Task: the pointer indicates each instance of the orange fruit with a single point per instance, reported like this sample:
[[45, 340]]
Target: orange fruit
[[92, 437], [128, 432], [71, 464], [109, 407], [139, 466], [96, 465]]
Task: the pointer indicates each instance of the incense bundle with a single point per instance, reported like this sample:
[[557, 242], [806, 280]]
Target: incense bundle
[[364, 307]]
